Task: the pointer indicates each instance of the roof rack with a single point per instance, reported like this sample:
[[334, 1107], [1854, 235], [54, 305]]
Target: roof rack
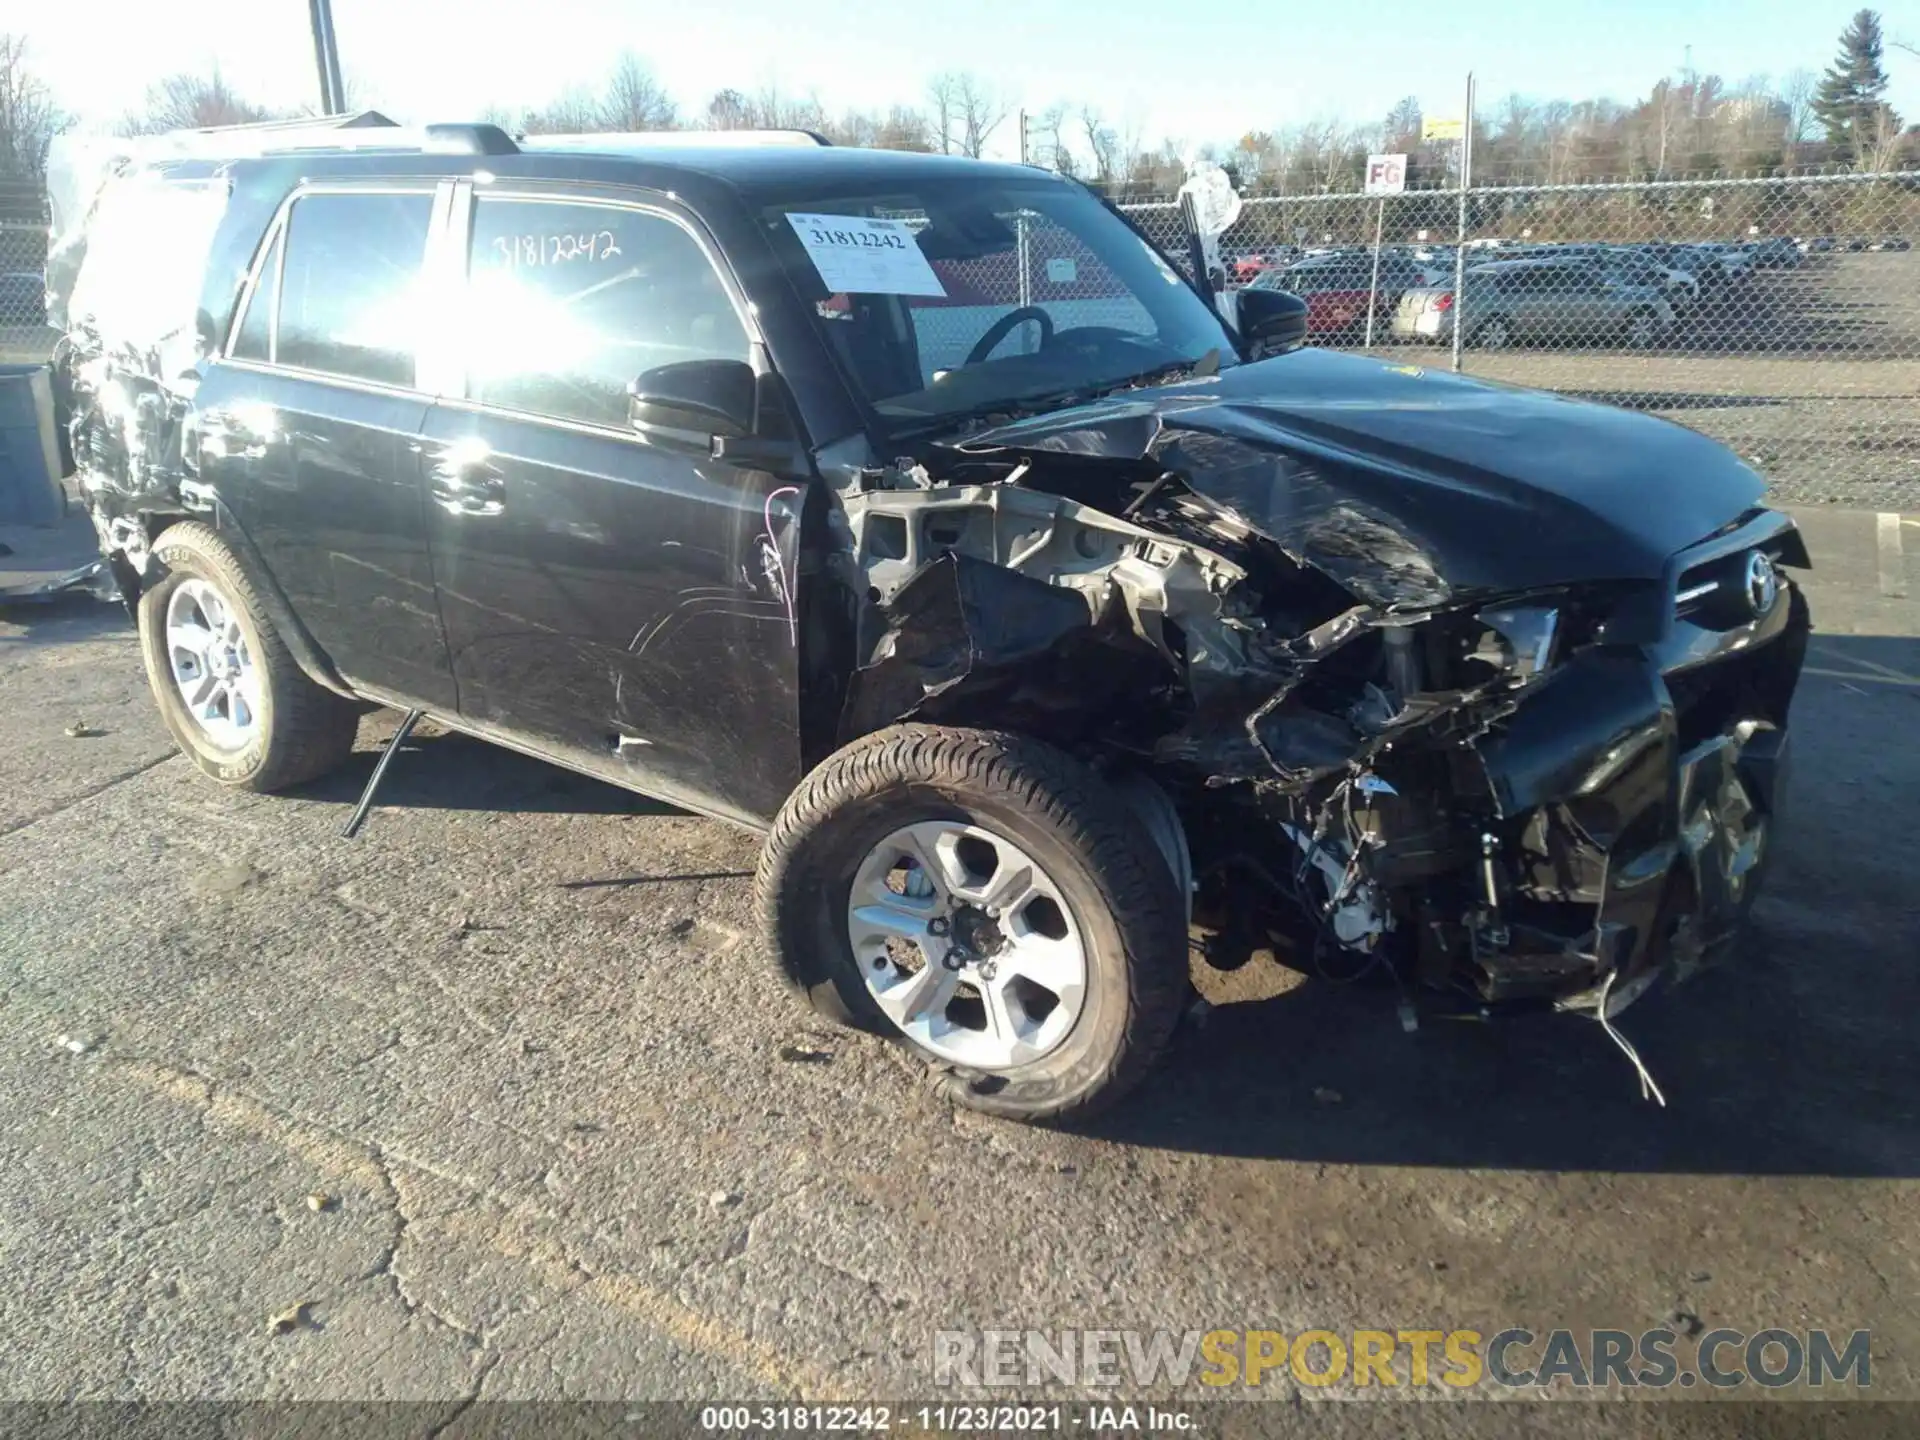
[[663, 139]]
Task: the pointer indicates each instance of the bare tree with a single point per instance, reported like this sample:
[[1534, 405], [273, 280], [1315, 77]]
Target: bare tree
[[635, 100], [966, 112], [728, 110], [904, 129], [1050, 127], [573, 112], [1102, 145], [772, 108], [28, 117], [193, 102], [943, 94], [1880, 142], [1796, 97], [1131, 137]]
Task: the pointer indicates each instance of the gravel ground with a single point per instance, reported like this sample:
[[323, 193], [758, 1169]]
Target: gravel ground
[[499, 1100]]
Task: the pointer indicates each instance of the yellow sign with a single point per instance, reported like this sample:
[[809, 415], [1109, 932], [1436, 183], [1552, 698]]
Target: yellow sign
[[1432, 129]]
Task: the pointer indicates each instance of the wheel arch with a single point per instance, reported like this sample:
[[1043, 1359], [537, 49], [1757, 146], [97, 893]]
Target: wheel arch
[[306, 652]]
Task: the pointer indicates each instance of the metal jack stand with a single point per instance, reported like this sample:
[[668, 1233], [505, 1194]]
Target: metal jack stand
[[359, 816]]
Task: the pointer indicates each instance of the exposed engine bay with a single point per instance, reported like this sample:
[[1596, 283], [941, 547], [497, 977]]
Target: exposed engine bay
[[1535, 797]]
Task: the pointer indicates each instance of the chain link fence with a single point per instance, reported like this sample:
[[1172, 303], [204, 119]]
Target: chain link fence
[[24, 336], [1779, 315]]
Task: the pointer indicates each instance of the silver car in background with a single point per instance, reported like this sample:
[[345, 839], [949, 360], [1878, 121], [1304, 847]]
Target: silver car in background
[[1537, 302]]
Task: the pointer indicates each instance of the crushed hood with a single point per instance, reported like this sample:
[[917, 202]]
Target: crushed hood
[[1409, 485]]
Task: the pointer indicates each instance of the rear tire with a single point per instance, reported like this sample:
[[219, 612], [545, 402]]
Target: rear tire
[[264, 725], [1494, 334], [1117, 897], [1643, 330]]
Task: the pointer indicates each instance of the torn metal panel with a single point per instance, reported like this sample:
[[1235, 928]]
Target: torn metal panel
[[1481, 488], [978, 644]]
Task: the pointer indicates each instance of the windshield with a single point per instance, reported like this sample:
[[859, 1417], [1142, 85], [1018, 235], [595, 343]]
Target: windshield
[[953, 299]]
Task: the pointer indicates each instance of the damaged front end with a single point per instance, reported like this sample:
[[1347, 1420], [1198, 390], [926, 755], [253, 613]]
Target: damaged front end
[[1534, 796]]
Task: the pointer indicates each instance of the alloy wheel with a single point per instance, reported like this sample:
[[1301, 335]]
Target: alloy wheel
[[967, 944], [213, 666]]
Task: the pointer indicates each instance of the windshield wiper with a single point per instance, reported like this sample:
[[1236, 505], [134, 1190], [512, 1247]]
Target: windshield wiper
[[1026, 406], [1021, 408], [1205, 368]]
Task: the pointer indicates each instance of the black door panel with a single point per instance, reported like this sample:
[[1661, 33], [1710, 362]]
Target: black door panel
[[614, 599], [625, 604], [325, 480]]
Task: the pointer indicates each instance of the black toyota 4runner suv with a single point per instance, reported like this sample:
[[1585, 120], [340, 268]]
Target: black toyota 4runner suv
[[922, 514]]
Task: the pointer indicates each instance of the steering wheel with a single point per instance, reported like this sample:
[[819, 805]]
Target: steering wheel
[[1005, 326]]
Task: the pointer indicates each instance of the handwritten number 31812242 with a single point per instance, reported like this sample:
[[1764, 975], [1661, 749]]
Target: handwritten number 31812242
[[515, 251]]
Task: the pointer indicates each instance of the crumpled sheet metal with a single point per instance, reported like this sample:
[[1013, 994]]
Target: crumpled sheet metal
[[1281, 495], [1023, 651]]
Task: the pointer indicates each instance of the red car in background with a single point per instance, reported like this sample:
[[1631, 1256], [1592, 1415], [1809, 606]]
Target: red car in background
[[1336, 287]]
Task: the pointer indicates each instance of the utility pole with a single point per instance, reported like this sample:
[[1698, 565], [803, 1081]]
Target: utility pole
[[326, 55], [1025, 257], [1460, 234]]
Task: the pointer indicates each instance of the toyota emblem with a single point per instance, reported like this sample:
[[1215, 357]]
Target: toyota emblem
[[1762, 582]]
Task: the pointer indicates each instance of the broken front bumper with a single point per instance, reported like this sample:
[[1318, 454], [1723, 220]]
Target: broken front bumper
[[1636, 791]]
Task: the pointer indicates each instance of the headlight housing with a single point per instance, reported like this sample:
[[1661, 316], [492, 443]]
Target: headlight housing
[[1520, 639]]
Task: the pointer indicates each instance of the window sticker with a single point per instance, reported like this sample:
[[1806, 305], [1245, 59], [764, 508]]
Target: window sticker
[[856, 255]]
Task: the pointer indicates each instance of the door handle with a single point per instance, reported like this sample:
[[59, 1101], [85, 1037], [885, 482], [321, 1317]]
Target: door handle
[[463, 480]]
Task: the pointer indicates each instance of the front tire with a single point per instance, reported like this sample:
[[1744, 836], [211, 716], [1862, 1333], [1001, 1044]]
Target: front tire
[[989, 902], [237, 703]]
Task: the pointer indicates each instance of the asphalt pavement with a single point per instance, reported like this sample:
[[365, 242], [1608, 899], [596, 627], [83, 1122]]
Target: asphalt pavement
[[501, 1101]]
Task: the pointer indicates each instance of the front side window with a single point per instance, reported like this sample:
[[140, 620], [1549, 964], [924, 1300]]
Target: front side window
[[350, 294], [944, 298], [571, 302]]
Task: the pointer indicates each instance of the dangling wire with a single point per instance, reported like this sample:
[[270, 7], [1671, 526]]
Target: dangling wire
[[1649, 1087]]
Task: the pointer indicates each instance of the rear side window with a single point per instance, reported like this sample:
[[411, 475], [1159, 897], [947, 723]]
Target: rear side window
[[350, 294], [571, 302], [140, 285]]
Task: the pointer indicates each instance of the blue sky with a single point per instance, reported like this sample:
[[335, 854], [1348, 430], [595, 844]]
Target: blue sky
[[1194, 72]]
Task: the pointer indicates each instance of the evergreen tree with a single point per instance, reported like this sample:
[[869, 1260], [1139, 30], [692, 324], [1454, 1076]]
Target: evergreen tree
[[1851, 101]]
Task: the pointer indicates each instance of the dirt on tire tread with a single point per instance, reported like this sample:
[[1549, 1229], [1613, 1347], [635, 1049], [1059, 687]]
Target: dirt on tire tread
[[1046, 782]]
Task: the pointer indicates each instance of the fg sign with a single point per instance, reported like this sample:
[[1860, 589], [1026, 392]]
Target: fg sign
[[1386, 174]]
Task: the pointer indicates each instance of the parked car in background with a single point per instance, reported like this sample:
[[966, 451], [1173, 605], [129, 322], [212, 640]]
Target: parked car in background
[[1735, 262], [23, 298], [1632, 267], [1778, 253], [1336, 288], [1539, 302]]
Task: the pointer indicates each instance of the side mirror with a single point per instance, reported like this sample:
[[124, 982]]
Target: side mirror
[[703, 400], [1272, 322]]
